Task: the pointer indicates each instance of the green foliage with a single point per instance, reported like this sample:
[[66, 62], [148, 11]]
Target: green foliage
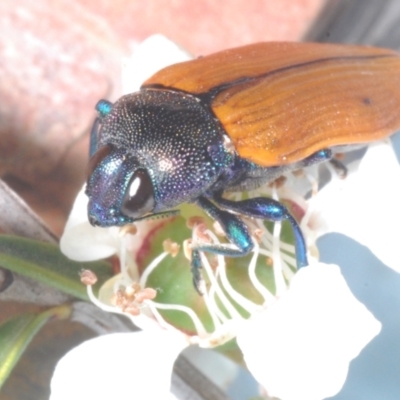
[[45, 263]]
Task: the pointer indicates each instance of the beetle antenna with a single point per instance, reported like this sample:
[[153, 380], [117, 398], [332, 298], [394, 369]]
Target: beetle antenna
[[164, 214], [93, 137]]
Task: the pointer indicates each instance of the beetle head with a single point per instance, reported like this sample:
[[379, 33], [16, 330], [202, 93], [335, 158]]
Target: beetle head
[[119, 190], [153, 150]]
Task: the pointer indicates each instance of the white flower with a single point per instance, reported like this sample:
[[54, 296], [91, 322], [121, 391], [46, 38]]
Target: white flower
[[297, 341], [300, 348], [153, 54], [365, 205], [118, 366], [82, 241]]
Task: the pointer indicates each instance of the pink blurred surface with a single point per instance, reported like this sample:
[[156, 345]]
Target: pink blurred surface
[[57, 58]]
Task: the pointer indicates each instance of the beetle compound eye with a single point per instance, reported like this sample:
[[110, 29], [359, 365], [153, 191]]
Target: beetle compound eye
[[139, 197], [97, 158]]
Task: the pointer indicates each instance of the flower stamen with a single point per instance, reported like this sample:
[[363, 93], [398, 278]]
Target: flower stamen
[[88, 277], [129, 298], [170, 247]]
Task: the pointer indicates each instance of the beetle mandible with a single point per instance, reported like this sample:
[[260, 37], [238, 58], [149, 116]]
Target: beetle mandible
[[233, 121]]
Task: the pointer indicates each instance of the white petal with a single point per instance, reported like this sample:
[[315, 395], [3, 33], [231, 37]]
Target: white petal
[[81, 241], [78, 214], [118, 366], [300, 348], [365, 205], [150, 56]]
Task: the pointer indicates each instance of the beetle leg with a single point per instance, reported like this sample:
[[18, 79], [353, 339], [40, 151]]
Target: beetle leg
[[339, 167], [236, 231], [317, 157], [272, 210]]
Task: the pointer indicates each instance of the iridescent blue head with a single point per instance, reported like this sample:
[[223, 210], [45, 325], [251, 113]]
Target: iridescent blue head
[[151, 151]]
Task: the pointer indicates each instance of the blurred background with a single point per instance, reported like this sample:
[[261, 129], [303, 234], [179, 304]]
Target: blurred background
[[57, 58]]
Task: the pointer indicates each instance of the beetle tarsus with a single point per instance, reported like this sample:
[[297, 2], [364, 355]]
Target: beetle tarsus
[[301, 249], [196, 266]]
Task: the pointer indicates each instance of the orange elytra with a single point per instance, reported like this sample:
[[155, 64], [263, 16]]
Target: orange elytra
[[280, 102]]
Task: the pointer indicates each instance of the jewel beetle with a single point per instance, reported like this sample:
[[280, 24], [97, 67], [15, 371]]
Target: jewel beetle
[[233, 121]]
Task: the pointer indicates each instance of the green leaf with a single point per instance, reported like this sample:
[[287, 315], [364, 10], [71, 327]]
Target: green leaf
[[45, 263], [16, 334]]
